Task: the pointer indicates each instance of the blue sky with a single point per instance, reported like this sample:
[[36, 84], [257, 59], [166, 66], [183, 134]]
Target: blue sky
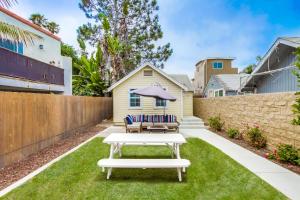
[[196, 28]]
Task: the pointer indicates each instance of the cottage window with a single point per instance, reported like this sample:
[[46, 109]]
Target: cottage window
[[160, 103], [148, 72], [217, 65], [134, 99]]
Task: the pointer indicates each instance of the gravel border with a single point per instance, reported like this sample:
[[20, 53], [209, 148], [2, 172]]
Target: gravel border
[[18, 170]]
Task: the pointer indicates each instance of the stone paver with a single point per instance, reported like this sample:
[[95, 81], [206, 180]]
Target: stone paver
[[280, 178]]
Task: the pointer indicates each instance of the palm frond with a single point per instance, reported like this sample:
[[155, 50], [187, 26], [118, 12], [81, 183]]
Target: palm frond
[[16, 34], [7, 3]]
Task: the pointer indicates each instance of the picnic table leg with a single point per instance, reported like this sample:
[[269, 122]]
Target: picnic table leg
[[179, 174], [177, 151], [111, 155], [178, 155], [109, 172], [119, 149]]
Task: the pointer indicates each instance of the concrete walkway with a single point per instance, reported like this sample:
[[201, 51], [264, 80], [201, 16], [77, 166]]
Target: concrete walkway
[[280, 178]]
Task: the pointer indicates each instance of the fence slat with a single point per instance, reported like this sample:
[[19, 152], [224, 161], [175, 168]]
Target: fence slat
[[30, 122]]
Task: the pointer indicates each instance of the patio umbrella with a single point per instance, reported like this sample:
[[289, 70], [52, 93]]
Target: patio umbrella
[[155, 91]]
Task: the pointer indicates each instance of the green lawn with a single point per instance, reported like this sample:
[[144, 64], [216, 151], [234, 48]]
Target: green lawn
[[212, 175]]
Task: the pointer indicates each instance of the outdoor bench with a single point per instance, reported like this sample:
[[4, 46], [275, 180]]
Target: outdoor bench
[[158, 120], [178, 164]]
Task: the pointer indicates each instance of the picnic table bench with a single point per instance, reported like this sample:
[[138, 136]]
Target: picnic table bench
[[117, 140]]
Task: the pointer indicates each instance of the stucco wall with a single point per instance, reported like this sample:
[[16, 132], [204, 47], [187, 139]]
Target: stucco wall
[[272, 112], [121, 97], [51, 51]]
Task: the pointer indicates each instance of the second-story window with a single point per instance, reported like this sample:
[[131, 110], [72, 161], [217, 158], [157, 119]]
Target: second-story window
[[217, 65], [12, 46]]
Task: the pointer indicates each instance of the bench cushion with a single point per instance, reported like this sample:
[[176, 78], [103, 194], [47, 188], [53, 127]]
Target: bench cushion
[[144, 163]]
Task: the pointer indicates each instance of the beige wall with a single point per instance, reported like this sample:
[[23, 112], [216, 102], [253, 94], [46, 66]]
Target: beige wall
[[51, 51], [272, 112], [121, 97], [188, 104]]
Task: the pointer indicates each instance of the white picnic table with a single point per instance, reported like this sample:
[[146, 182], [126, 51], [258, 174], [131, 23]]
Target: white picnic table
[[117, 140]]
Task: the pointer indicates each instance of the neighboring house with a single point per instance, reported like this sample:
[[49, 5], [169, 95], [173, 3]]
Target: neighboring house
[[223, 85], [37, 67], [274, 72], [208, 67], [125, 102]]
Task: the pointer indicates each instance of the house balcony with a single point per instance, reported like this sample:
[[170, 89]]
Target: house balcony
[[19, 72]]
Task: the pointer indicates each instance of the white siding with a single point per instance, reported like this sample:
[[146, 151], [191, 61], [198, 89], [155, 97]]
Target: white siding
[[51, 51]]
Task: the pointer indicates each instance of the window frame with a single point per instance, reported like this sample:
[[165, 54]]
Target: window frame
[[217, 63], [161, 107], [218, 93], [147, 70], [129, 100]]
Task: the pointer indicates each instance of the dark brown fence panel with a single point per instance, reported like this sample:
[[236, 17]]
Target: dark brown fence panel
[[30, 122], [16, 65]]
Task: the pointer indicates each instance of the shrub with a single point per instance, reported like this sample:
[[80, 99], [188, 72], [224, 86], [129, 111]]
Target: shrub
[[288, 153], [233, 133], [256, 138], [215, 123]]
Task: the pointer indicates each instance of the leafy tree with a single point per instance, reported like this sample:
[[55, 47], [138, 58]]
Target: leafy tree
[[89, 81], [249, 69], [127, 31], [13, 33], [38, 19], [53, 27], [42, 21], [68, 50], [296, 106]]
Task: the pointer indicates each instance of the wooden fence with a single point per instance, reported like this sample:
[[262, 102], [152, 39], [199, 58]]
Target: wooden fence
[[30, 122]]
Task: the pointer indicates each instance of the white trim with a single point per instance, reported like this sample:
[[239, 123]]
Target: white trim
[[267, 55], [142, 67], [134, 107], [41, 169], [218, 90], [181, 104]]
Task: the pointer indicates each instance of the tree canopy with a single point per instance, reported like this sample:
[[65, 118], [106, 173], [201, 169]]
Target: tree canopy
[[127, 32]]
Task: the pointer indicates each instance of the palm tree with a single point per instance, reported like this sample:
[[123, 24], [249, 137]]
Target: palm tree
[[13, 33], [53, 27], [38, 19]]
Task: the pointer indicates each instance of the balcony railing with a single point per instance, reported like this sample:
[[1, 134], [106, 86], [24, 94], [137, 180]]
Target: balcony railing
[[16, 65]]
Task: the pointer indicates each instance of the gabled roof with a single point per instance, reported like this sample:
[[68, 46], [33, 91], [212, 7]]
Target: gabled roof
[[289, 41], [229, 81], [25, 21], [184, 80], [142, 67]]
